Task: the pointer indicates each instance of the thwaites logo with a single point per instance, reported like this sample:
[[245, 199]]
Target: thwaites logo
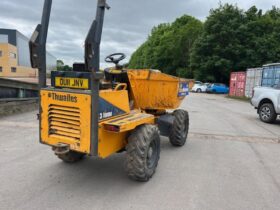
[[63, 97]]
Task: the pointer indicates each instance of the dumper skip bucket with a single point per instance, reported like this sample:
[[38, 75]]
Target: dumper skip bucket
[[153, 90]]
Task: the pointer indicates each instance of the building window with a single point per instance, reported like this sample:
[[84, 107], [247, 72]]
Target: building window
[[13, 69], [1, 53], [4, 38], [13, 55], [1, 69]]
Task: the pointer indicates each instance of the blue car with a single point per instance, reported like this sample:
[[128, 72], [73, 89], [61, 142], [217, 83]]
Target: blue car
[[217, 88]]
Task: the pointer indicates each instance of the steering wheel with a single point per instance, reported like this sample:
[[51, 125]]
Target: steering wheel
[[115, 58]]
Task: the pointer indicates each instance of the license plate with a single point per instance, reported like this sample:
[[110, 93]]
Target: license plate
[[76, 83]]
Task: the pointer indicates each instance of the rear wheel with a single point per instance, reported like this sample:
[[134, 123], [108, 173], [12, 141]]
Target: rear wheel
[[71, 157], [180, 128], [143, 152], [267, 113]]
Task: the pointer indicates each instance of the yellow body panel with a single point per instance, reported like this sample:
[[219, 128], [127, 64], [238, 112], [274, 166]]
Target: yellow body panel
[[154, 90], [66, 118], [109, 142], [117, 98]]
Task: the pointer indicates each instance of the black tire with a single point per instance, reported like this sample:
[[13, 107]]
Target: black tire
[[198, 90], [267, 113], [143, 153], [180, 128], [71, 157]]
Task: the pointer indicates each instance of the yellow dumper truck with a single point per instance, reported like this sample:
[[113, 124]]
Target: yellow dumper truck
[[88, 112]]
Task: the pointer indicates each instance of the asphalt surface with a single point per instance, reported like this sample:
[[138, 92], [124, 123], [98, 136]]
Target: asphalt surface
[[231, 161]]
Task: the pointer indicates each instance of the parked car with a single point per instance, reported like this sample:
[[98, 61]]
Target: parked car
[[267, 101], [198, 82], [217, 88], [199, 88]]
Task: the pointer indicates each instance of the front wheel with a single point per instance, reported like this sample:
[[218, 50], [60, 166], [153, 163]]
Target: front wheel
[[143, 152], [180, 128], [267, 113]]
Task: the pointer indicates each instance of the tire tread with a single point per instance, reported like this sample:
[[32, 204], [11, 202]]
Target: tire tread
[[138, 143], [177, 136]]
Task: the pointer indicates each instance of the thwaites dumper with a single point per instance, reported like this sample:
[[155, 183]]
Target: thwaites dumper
[[88, 112]]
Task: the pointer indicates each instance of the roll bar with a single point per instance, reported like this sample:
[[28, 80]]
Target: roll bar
[[93, 40], [37, 46]]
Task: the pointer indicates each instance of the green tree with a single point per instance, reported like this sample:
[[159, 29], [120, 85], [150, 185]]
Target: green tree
[[61, 67], [59, 63], [67, 68], [169, 46], [234, 40]]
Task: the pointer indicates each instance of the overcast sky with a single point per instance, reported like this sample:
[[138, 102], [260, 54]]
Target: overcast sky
[[127, 23]]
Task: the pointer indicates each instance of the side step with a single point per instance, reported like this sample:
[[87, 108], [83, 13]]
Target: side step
[[128, 122]]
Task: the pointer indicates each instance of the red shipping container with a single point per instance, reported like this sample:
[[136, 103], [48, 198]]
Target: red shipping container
[[237, 84]]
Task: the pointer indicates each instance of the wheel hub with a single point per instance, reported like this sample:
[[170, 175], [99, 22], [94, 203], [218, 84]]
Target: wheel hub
[[151, 155], [265, 113]]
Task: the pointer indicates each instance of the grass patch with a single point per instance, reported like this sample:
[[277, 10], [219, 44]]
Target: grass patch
[[18, 107], [240, 98]]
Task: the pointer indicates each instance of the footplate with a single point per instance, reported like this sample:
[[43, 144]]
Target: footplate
[[128, 122]]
